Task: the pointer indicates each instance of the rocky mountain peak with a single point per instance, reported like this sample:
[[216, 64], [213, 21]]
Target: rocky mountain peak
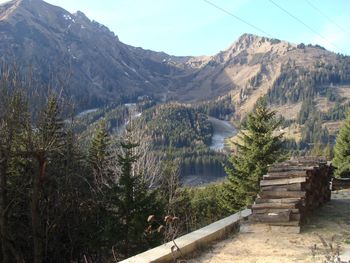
[[7, 8], [81, 15], [246, 40], [251, 42], [30, 10], [26, 4]]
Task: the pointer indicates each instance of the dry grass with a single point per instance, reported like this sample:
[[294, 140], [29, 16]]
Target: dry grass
[[288, 111], [323, 104], [332, 222], [292, 132], [343, 91], [332, 126]]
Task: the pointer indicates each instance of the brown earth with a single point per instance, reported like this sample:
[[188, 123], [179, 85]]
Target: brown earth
[[331, 223]]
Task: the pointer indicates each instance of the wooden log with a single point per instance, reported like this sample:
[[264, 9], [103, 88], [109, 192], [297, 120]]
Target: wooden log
[[293, 188], [289, 187], [290, 168], [278, 201], [282, 194], [282, 181], [295, 217], [275, 210], [272, 217], [272, 206], [282, 175]]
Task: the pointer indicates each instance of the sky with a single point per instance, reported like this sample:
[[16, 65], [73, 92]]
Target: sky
[[195, 27]]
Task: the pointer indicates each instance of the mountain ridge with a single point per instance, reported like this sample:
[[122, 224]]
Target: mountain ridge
[[97, 68]]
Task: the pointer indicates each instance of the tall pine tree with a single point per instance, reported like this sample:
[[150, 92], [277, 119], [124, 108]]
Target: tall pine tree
[[99, 154], [342, 150], [257, 147], [134, 202]]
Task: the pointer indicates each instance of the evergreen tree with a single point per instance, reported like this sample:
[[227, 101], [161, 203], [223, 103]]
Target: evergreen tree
[[317, 150], [99, 154], [45, 142], [258, 147], [135, 202], [328, 152], [13, 120], [342, 150]]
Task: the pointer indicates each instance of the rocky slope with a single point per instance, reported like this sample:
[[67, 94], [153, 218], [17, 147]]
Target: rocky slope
[[253, 65], [83, 55], [95, 68]]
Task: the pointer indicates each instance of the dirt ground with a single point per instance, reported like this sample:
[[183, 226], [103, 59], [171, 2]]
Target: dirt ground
[[331, 223]]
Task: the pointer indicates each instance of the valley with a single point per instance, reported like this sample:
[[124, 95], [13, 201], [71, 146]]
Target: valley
[[106, 79], [101, 140]]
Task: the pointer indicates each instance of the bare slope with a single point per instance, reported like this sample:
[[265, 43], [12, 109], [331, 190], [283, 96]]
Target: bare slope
[[250, 67]]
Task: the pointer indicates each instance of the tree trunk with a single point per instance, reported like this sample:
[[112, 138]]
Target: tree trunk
[[36, 226], [3, 213]]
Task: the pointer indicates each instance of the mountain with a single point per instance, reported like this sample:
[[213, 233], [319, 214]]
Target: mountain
[[254, 66], [96, 68], [84, 55]]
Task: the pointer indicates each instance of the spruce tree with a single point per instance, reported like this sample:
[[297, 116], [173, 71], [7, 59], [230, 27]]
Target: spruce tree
[[342, 150], [99, 154], [13, 119], [257, 147], [134, 201]]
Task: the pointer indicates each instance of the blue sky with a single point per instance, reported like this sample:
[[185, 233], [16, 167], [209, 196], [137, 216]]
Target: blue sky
[[193, 27]]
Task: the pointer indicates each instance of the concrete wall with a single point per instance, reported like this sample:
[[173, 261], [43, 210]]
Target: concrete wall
[[190, 242]]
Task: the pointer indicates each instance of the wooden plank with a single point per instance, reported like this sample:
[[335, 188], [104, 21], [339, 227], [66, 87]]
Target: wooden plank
[[272, 217], [291, 168], [290, 187], [295, 217], [282, 181], [275, 210], [273, 206], [278, 201], [282, 194], [282, 175]]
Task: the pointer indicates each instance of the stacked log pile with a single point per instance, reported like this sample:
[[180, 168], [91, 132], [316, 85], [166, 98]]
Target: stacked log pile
[[291, 190]]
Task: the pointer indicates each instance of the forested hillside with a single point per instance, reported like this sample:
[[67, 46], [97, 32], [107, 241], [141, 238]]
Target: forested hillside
[[176, 126], [168, 131], [65, 197]]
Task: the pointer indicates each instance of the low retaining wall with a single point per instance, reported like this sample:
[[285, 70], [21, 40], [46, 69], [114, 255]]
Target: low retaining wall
[[190, 242]]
